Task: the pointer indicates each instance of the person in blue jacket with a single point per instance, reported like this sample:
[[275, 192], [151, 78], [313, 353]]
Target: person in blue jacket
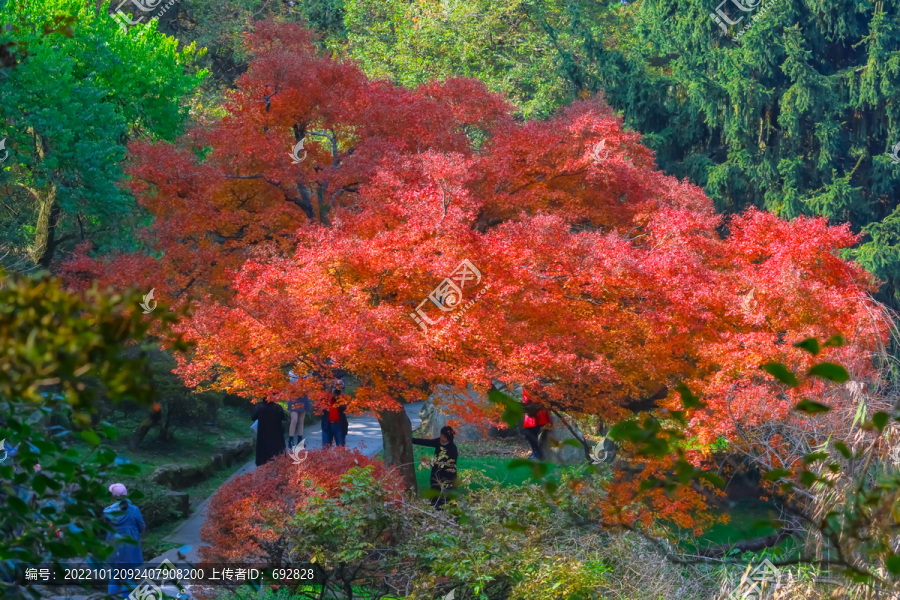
[[127, 519]]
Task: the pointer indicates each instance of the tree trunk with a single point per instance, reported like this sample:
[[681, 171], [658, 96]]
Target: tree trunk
[[396, 432], [164, 431], [146, 425], [585, 446], [48, 219]]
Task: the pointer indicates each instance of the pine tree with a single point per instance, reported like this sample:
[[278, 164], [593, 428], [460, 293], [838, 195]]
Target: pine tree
[[796, 114]]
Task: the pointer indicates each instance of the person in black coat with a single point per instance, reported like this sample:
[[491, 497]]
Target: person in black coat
[[443, 472], [269, 436]]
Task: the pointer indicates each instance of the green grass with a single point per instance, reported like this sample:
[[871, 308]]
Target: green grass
[[745, 524], [494, 467], [745, 516], [191, 446]]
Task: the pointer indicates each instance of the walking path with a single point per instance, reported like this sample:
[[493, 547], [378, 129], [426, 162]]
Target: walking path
[[364, 434]]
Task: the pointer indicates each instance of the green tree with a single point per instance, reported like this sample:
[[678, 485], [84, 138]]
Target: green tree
[[53, 344], [209, 24], [499, 42], [67, 110]]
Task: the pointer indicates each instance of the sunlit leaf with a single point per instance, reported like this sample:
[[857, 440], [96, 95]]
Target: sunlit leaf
[[90, 437], [843, 449], [835, 341]]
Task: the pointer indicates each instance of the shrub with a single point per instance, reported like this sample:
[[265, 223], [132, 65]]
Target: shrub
[[247, 517], [51, 343], [157, 504]]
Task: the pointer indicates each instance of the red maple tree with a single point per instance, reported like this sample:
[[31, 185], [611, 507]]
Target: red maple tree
[[594, 273]]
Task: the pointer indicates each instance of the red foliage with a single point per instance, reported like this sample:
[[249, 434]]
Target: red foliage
[[246, 515], [608, 279]]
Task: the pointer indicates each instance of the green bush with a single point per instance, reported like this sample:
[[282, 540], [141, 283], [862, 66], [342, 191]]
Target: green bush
[[157, 505], [51, 342]]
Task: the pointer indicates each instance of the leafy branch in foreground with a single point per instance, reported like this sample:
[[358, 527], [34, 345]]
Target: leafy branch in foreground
[[839, 497], [57, 351]]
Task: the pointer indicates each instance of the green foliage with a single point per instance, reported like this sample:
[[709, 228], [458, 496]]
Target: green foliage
[[492, 542], [220, 30], [157, 506], [68, 109], [781, 373], [501, 43], [51, 342], [811, 407]]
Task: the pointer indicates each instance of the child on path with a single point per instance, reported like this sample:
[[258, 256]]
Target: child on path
[[127, 519], [443, 471]]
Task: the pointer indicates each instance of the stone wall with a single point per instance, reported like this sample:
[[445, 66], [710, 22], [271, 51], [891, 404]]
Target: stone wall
[[178, 477]]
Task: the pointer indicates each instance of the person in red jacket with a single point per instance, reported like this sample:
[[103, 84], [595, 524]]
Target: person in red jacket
[[536, 424], [334, 421]]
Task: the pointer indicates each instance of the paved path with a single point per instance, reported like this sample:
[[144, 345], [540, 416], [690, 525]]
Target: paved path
[[364, 434]]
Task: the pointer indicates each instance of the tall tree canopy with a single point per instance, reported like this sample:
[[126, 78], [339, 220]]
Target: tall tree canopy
[[67, 110], [609, 281]]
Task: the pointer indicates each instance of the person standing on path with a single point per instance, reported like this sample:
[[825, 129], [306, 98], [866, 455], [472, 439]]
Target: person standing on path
[[537, 422], [298, 408], [269, 435], [127, 519], [443, 470], [334, 421]]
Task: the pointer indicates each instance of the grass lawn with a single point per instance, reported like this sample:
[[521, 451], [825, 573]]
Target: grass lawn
[[191, 446], [471, 457]]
